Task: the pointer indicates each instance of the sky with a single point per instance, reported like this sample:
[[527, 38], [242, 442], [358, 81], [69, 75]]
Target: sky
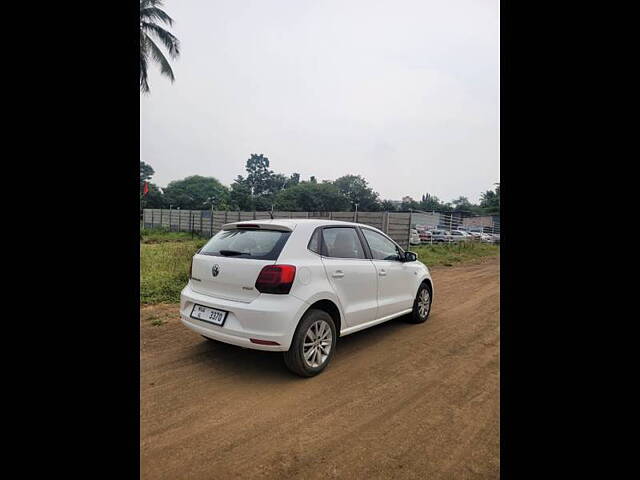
[[402, 92]]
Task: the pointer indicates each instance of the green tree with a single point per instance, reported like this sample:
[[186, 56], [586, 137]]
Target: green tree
[[151, 16], [429, 203], [240, 195], [294, 180], [277, 182], [146, 172], [409, 203], [462, 204], [197, 193], [490, 200], [154, 198], [356, 190], [259, 177], [311, 197], [388, 206]]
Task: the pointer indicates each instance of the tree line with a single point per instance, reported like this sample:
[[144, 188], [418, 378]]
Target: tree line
[[262, 189]]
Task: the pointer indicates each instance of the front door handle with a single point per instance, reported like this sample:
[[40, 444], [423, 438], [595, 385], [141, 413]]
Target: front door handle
[[382, 273], [338, 274]]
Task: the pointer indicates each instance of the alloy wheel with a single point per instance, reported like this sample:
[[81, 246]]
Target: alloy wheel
[[317, 344], [424, 301]]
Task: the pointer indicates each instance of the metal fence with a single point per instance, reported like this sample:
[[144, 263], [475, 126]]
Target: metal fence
[[207, 223], [406, 228]]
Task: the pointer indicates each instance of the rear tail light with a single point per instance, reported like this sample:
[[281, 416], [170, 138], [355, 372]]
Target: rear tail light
[[191, 269], [276, 279]]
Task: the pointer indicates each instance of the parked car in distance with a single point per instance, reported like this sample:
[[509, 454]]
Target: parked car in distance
[[441, 236], [460, 236], [414, 238], [425, 236], [486, 238], [297, 285]]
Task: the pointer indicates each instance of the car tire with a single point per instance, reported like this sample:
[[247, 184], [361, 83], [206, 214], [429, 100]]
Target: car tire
[[308, 356], [420, 315]]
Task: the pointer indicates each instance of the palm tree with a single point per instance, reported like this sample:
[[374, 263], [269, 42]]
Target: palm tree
[[150, 16]]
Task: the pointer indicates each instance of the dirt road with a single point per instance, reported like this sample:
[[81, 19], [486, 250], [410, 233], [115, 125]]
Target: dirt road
[[398, 400]]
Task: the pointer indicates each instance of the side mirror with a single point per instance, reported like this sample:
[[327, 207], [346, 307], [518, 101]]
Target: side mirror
[[410, 257]]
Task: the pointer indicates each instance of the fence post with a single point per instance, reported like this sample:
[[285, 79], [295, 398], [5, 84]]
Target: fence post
[[152, 225], [179, 221]]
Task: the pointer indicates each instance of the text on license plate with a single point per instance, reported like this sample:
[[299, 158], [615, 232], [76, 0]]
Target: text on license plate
[[207, 314]]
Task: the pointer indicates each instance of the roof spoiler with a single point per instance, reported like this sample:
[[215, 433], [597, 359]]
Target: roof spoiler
[[256, 226]]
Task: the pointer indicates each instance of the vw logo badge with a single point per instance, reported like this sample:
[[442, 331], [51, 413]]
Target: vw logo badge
[[215, 270]]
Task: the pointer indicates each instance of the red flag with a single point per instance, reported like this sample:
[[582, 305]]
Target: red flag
[[145, 190]]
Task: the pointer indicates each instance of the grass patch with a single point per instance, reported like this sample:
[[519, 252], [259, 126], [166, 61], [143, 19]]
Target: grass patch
[[449, 255], [156, 322], [164, 269]]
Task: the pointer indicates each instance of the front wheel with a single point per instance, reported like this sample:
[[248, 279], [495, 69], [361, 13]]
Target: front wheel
[[421, 305], [313, 344]]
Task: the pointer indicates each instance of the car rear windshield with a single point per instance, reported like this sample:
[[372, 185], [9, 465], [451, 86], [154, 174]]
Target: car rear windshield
[[246, 243]]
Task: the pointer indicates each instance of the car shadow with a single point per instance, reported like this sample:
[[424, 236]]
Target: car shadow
[[268, 367]]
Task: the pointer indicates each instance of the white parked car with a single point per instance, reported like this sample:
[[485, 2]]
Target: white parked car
[[461, 236], [296, 285], [487, 238], [414, 238]]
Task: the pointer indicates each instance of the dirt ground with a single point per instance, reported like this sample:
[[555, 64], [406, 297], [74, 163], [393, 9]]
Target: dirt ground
[[397, 401]]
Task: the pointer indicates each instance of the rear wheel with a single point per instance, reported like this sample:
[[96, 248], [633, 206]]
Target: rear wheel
[[421, 305], [313, 344]]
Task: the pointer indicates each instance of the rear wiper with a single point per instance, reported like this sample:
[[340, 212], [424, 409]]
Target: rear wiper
[[229, 253]]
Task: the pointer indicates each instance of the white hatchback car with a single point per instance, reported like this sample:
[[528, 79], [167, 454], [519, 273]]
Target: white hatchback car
[[297, 285]]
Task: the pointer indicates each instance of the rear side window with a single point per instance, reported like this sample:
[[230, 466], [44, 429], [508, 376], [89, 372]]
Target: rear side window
[[314, 243], [245, 243], [342, 242]]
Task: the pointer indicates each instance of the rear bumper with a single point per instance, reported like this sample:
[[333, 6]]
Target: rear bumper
[[268, 317]]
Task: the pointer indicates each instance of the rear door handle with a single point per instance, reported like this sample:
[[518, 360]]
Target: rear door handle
[[338, 274], [382, 273]]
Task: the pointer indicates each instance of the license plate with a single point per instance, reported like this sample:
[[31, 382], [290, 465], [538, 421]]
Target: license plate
[[210, 315]]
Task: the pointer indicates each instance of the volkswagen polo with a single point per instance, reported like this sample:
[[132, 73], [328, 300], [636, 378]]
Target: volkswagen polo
[[296, 286]]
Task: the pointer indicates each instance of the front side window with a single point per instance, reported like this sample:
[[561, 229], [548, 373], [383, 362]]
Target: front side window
[[342, 242], [243, 243], [381, 247]]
